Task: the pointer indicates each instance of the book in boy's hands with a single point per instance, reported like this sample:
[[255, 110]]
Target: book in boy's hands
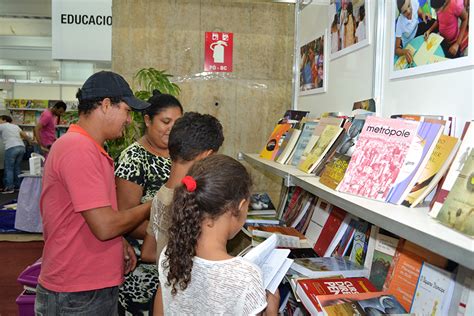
[[261, 204], [434, 291], [369, 303], [378, 157], [309, 289], [273, 262], [328, 266]]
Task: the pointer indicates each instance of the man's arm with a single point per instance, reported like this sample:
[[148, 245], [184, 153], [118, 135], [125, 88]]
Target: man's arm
[[107, 223], [36, 132]]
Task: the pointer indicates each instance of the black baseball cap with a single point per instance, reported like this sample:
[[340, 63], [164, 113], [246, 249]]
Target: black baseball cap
[[105, 84]]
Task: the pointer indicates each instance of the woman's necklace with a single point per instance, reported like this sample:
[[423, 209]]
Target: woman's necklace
[[156, 151]]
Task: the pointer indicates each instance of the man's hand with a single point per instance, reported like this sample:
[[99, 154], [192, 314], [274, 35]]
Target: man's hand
[[130, 259]]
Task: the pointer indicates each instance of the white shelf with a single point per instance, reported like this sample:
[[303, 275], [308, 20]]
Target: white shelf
[[413, 224], [26, 109]]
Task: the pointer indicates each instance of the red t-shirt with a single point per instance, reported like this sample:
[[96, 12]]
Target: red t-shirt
[[78, 176], [48, 130]]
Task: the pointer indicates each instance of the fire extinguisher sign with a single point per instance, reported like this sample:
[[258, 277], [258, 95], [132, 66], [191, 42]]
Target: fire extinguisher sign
[[218, 52]]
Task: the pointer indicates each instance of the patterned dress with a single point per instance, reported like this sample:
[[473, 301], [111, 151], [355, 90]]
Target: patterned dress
[[139, 166]]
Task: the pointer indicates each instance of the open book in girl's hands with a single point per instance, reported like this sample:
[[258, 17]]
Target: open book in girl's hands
[[273, 262]]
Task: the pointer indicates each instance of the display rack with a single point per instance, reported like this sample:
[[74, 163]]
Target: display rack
[[413, 224]]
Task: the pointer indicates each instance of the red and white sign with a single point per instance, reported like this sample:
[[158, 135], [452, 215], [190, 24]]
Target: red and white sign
[[218, 52]]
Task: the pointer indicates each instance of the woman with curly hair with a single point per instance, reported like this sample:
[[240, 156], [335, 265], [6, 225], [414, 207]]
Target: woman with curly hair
[[197, 275]]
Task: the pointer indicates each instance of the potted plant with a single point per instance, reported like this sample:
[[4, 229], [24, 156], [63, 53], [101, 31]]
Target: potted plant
[[147, 80]]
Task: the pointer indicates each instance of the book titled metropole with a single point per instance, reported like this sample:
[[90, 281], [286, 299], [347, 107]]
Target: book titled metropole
[[378, 157]]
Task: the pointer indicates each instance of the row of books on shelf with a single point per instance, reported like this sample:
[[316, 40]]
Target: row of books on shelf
[[37, 104], [20, 117], [331, 263], [403, 160]]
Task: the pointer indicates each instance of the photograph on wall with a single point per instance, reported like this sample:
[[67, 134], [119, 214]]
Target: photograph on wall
[[348, 26], [429, 35], [313, 66]]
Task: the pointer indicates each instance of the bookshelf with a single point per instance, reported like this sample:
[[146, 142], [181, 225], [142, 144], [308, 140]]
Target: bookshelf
[[413, 224]]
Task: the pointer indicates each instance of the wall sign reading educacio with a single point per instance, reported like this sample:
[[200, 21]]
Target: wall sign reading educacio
[[82, 29], [86, 19]]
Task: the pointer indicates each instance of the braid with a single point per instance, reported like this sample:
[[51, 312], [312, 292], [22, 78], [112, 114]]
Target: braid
[[183, 235]]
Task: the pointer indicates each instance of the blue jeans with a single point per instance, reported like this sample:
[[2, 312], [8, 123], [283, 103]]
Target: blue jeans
[[101, 302], [13, 158]]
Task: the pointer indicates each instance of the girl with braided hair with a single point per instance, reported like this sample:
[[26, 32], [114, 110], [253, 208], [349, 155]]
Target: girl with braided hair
[[197, 275]]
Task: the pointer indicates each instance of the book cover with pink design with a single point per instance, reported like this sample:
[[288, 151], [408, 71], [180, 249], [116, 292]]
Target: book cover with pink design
[[418, 155], [378, 157]]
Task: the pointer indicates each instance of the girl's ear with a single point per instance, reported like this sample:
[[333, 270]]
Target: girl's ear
[[241, 204]]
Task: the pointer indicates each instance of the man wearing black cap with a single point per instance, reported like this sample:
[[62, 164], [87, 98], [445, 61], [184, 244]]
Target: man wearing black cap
[[83, 255]]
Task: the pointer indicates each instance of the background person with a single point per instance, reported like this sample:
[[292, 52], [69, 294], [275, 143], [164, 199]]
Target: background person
[[197, 275], [83, 255], [12, 137], [452, 25], [141, 170], [45, 129]]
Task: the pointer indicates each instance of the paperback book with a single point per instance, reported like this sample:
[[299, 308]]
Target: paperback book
[[378, 157], [303, 140], [467, 139], [328, 266], [370, 303], [273, 262], [275, 140], [435, 168], [308, 290], [457, 211], [417, 157], [261, 204], [433, 292]]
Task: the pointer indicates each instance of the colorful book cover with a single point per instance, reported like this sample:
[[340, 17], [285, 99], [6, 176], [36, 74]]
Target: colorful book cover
[[384, 250], [433, 292], [329, 230], [325, 141], [308, 289], [293, 115], [359, 245], [303, 140], [455, 168], [274, 142], [416, 159], [370, 303], [458, 208], [378, 157], [288, 145], [403, 274], [435, 168], [336, 167]]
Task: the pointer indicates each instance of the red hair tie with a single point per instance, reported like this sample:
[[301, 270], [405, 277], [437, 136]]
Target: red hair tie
[[190, 183]]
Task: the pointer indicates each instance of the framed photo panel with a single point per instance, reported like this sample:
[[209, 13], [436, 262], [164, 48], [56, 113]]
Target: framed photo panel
[[429, 35], [349, 26], [313, 65]]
